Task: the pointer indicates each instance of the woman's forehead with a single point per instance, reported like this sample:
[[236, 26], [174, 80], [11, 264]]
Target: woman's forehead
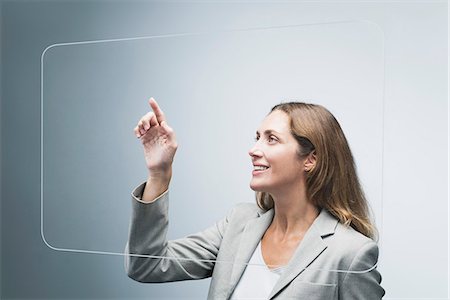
[[276, 121]]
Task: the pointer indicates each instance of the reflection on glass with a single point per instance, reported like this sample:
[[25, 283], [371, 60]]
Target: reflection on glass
[[215, 91]]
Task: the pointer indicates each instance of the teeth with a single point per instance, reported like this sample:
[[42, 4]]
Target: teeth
[[260, 168]]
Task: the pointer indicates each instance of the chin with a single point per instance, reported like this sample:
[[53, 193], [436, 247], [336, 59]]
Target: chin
[[257, 188]]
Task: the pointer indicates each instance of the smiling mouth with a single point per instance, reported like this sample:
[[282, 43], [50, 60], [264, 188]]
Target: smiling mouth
[[257, 170]]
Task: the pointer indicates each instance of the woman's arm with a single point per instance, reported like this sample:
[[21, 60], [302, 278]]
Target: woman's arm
[[366, 284], [180, 259]]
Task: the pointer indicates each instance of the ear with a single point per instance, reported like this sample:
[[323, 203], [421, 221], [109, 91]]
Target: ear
[[310, 161]]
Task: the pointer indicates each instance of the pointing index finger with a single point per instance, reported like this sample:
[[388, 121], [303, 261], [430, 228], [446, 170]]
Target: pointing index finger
[[158, 112]]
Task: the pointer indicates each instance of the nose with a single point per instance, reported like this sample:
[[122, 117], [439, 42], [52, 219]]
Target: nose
[[254, 151]]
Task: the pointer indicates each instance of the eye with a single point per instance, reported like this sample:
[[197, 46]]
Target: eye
[[271, 138]]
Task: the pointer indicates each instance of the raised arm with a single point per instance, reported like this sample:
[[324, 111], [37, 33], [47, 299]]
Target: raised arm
[[150, 257]]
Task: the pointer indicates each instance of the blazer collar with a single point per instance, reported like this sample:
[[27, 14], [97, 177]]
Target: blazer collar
[[252, 234], [311, 246], [309, 249]]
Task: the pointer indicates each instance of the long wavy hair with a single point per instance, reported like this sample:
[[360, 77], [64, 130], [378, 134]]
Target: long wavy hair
[[333, 182]]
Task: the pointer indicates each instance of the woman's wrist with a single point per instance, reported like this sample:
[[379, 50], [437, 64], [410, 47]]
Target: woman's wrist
[[156, 185]]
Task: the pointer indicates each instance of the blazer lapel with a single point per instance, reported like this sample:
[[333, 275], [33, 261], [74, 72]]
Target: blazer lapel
[[253, 232], [309, 249]]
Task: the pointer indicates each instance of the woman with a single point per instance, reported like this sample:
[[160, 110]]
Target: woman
[[308, 237]]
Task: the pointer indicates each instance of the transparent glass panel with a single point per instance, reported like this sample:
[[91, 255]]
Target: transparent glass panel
[[215, 89]]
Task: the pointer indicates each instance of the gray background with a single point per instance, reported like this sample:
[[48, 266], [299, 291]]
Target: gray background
[[414, 188]]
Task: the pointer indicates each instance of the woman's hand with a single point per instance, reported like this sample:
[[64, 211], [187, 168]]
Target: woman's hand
[[158, 140]]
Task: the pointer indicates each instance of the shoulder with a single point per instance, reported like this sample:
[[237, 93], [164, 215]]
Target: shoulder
[[352, 237], [243, 212], [246, 210], [352, 245], [237, 218], [335, 233]]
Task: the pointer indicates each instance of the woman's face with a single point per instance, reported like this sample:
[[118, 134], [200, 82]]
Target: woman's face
[[276, 149]]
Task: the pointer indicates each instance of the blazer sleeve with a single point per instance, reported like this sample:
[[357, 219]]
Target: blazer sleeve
[[363, 281], [174, 260]]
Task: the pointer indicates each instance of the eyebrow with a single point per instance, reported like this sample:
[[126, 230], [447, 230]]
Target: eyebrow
[[269, 131]]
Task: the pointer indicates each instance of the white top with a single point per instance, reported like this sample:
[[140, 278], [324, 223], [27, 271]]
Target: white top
[[258, 280]]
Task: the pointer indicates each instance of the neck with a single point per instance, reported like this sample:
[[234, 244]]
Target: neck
[[294, 214]]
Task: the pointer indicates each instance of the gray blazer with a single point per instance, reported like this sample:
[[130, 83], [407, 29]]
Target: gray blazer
[[316, 270]]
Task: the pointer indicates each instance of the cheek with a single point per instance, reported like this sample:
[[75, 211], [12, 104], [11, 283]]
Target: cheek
[[287, 167]]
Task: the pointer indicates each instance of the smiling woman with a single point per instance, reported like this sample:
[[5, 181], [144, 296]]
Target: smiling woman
[[330, 174], [308, 237]]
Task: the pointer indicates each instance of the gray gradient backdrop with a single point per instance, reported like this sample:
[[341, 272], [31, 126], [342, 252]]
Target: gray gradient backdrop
[[95, 93]]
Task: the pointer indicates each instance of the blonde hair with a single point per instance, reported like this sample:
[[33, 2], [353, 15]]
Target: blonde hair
[[333, 182]]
